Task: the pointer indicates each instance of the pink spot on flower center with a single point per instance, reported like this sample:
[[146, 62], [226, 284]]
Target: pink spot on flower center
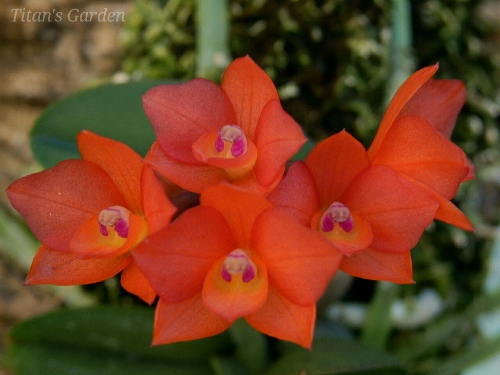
[[114, 216], [238, 263], [235, 135], [337, 213]]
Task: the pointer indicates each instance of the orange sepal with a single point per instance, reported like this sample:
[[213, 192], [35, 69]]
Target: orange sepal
[[297, 193], [359, 238], [88, 241], [191, 177], [379, 265], [438, 101], [119, 161], [177, 259], [285, 320], [278, 137], [239, 207], [397, 210], [57, 201], [334, 163], [234, 299], [158, 209], [300, 262], [134, 281], [185, 320], [249, 89], [414, 147], [64, 268], [399, 100]]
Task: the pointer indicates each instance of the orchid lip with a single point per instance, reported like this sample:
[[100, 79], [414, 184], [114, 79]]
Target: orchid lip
[[337, 213], [238, 263], [232, 134], [116, 217]]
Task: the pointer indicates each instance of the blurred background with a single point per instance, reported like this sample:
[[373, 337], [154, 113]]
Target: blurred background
[[336, 64]]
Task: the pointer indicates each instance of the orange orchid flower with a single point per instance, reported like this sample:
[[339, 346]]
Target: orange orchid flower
[[374, 205], [237, 132], [90, 214], [233, 257], [369, 213], [413, 139]]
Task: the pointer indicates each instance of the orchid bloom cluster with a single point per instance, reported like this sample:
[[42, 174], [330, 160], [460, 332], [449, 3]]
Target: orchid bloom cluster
[[217, 222]]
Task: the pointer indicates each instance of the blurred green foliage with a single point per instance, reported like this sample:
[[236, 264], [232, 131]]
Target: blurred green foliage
[[330, 59], [159, 38]]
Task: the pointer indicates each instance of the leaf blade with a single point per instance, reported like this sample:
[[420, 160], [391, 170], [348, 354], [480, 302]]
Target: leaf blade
[[111, 110]]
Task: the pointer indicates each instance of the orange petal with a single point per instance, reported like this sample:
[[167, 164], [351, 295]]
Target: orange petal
[[119, 161], [447, 211], [278, 137], [399, 100], [413, 147], [300, 262], [359, 238], [235, 167], [397, 210], [88, 241], [57, 201], [297, 193], [182, 113], [379, 265], [134, 281], [63, 268], [334, 163], [234, 299], [158, 209], [249, 88], [239, 207], [250, 183], [191, 177], [177, 259], [438, 101], [285, 320], [185, 320], [471, 174]]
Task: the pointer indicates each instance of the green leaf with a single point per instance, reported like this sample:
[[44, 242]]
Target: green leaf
[[227, 366], [60, 360], [378, 325], [251, 347], [111, 110], [334, 357], [466, 359], [104, 340]]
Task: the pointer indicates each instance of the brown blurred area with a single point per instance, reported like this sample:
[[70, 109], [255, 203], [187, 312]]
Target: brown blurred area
[[43, 57]]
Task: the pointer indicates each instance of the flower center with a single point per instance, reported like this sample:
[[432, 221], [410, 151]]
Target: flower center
[[233, 135], [238, 263], [116, 217], [337, 213]]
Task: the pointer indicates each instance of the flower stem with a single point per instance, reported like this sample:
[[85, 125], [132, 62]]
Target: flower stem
[[402, 60], [212, 38]]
